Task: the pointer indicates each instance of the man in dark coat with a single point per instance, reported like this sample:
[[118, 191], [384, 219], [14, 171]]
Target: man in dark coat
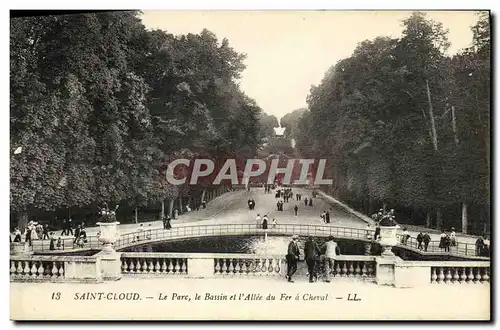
[[427, 239], [327, 217], [420, 238], [305, 201], [311, 252], [296, 209], [292, 257]]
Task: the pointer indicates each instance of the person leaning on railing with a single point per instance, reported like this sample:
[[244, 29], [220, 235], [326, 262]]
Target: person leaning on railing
[[331, 252]]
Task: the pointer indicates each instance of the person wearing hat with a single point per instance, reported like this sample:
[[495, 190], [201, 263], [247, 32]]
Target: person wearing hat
[[311, 253], [292, 257]]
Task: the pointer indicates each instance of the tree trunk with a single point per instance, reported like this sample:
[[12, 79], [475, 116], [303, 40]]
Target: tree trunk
[[431, 115], [189, 201], [439, 219], [180, 205], [162, 214], [170, 206], [136, 220], [464, 218], [454, 124], [428, 220], [22, 220]]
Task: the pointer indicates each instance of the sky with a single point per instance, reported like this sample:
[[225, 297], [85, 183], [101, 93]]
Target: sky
[[288, 51]]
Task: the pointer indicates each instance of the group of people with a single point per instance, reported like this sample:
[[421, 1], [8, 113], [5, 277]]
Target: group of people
[[268, 188], [325, 217], [286, 194], [316, 257], [482, 249], [308, 202], [264, 221], [298, 197], [279, 205]]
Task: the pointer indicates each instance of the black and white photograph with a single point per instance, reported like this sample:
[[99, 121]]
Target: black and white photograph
[[252, 165]]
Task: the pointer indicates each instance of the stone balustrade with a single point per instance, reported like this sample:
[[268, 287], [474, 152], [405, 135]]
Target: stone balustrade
[[382, 270], [161, 264], [419, 273], [359, 267], [30, 268], [248, 265]]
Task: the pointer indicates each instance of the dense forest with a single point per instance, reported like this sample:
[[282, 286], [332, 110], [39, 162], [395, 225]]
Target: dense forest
[[99, 105], [405, 125]]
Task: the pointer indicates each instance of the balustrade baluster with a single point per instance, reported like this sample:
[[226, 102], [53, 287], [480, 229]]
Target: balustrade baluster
[[277, 268], [448, 276], [470, 277], [177, 266], [441, 275], [151, 267], [486, 277], [363, 270], [54, 270], [27, 268], [217, 266], [33, 269], [224, 266], [170, 267], [478, 275], [463, 276], [13, 268], [456, 277], [357, 270], [344, 269], [263, 268], [144, 267], [351, 270], [164, 268], [124, 266], [157, 266], [61, 269], [230, 268], [184, 266], [337, 269], [41, 270], [19, 267], [270, 268]]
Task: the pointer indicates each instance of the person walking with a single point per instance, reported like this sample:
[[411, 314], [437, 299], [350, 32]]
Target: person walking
[[310, 254], [45, 232], [274, 223], [426, 238], [305, 201], [310, 201], [296, 209], [420, 239], [331, 252], [442, 240], [292, 257]]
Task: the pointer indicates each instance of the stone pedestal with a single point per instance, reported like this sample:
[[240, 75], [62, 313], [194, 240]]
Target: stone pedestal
[[109, 235], [385, 272], [410, 274], [111, 265], [20, 248], [201, 268]]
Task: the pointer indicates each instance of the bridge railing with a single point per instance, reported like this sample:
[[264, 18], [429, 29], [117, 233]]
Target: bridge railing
[[461, 249], [136, 238], [151, 235]]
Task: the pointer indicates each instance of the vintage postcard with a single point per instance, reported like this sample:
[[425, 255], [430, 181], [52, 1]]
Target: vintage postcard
[[250, 165]]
